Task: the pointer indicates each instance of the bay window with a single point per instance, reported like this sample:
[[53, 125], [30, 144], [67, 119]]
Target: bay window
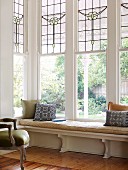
[[77, 53]]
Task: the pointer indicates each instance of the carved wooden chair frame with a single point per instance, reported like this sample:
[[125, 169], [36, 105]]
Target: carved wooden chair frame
[[21, 148]]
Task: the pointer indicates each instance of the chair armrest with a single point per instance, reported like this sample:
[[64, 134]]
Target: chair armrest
[[9, 132], [10, 120]]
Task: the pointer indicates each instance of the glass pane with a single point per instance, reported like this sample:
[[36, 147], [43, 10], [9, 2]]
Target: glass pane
[[92, 24], [124, 77], [18, 80], [124, 23], [91, 74], [18, 25], [53, 82], [53, 26]]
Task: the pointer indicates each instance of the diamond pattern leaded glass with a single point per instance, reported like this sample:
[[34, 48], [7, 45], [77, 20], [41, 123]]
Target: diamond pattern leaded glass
[[53, 26], [18, 21], [92, 25], [124, 23]]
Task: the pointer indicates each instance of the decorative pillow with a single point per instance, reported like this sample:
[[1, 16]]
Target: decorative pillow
[[45, 112], [29, 107], [116, 118]]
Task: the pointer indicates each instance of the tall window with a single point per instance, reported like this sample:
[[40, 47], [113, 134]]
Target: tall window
[[91, 58], [18, 58], [124, 53], [53, 52]]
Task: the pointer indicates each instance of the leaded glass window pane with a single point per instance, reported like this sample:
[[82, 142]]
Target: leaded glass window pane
[[124, 23], [18, 21], [53, 26], [92, 25]]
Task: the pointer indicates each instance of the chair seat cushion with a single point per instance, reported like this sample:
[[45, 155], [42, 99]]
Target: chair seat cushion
[[21, 138]]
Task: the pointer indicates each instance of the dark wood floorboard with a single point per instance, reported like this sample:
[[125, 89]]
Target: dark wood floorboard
[[14, 164]]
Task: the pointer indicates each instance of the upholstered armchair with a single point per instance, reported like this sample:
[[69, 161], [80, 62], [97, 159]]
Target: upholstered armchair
[[13, 139]]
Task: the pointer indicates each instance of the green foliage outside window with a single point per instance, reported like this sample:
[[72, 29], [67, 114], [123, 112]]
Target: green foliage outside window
[[17, 82], [96, 77], [53, 83], [56, 89]]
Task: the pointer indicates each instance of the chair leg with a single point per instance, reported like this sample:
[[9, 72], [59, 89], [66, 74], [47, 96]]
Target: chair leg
[[24, 152], [21, 157]]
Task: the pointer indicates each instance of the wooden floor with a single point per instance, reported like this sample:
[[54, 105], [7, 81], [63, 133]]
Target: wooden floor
[[13, 164], [48, 159]]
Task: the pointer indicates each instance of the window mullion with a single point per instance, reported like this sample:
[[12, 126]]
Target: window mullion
[[32, 48], [69, 61], [113, 51]]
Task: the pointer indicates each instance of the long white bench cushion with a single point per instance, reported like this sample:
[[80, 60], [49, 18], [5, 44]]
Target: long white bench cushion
[[96, 127]]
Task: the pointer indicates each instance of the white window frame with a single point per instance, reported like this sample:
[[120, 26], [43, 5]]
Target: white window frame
[[112, 56], [77, 52], [24, 55], [113, 73], [39, 48]]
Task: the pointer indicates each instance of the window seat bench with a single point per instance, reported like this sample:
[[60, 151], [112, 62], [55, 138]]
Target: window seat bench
[[93, 130]]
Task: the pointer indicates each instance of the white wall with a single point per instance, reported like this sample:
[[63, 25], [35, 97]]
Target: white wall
[[6, 58]]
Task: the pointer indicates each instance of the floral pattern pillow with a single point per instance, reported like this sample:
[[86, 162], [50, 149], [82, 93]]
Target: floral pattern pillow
[[45, 112]]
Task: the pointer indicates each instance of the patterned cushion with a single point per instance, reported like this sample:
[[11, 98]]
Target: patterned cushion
[[116, 118], [45, 112]]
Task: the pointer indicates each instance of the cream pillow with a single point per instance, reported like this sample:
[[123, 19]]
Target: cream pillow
[[29, 107]]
